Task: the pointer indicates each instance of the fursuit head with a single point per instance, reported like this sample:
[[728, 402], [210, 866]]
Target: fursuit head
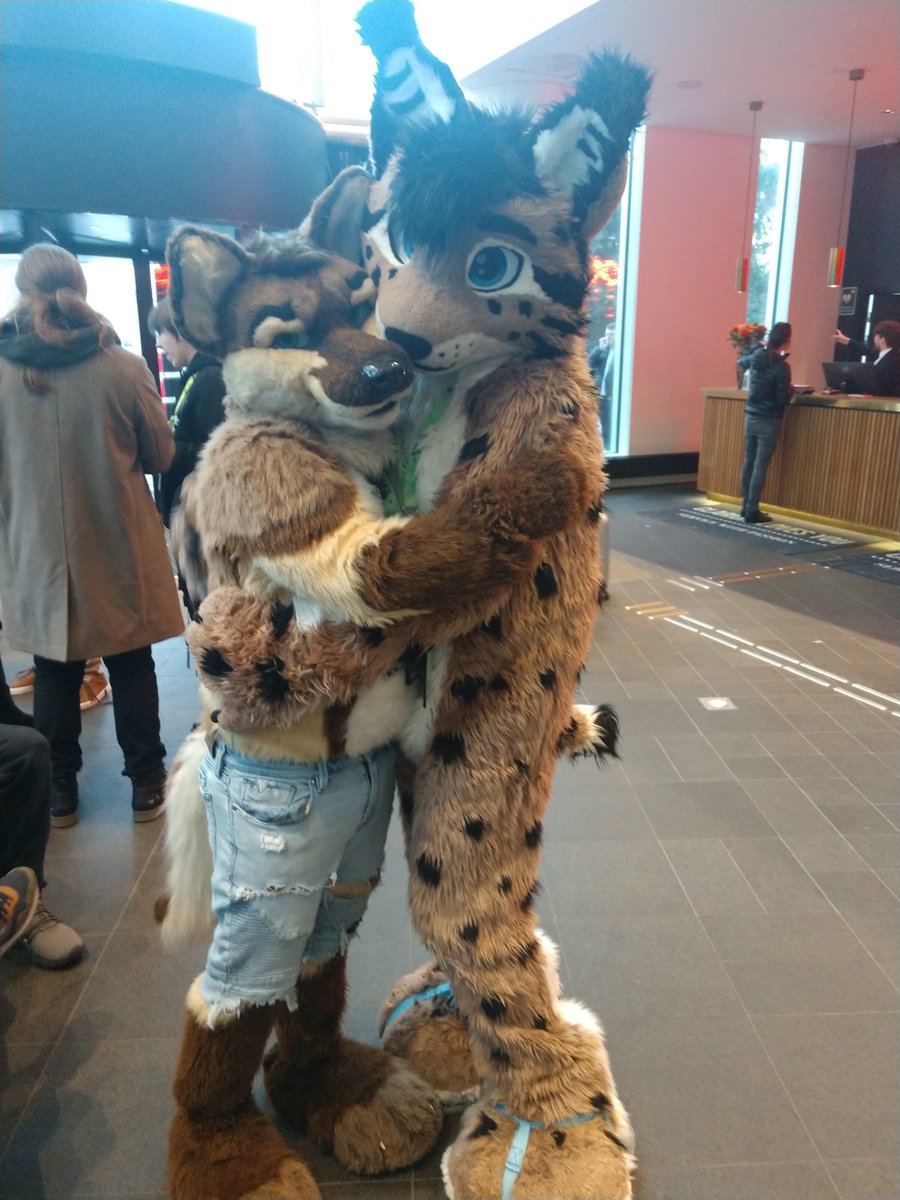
[[474, 227]]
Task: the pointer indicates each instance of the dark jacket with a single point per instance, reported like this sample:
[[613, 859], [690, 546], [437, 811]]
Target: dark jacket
[[198, 410], [770, 383], [887, 369]]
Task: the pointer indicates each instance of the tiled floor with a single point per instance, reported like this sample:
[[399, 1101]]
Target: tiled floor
[[725, 897]]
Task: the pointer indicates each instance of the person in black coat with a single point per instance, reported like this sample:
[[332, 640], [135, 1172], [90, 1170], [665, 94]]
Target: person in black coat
[[199, 406], [769, 394], [886, 345]]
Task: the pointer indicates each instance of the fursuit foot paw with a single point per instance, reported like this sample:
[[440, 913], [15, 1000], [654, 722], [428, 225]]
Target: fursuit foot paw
[[238, 1158], [578, 1159], [363, 1106], [420, 1023]]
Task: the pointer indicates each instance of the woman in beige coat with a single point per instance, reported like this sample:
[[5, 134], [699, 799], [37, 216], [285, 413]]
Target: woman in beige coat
[[84, 569]]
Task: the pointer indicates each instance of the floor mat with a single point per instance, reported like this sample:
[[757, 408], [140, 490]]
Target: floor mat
[[777, 535], [883, 565]]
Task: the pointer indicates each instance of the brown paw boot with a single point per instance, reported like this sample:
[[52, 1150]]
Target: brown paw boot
[[354, 1101]]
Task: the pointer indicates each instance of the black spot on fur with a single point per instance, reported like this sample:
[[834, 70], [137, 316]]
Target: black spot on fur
[[522, 767], [527, 953], [586, 148], [392, 271], [602, 593], [486, 1125], [357, 280], [495, 307], [214, 715], [534, 835], [561, 289], [569, 410], [612, 1137], [215, 664], [540, 1023], [429, 870], [493, 1008], [271, 683], [593, 514], [373, 636], [406, 804], [467, 688], [561, 233], [196, 618], [558, 1137], [282, 615], [543, 348], [475, 447], [525, 307], [411, 655], [494, 627], [531, 896], [513, 335], [449, 747], [505, 884], [368, 252], [474, 827], [500, 1056], [548, 679], [563, 327], [351, 929], [376, 276], [545, 581], [469, 933], [600, 1101], [370, 219], [498, 684]]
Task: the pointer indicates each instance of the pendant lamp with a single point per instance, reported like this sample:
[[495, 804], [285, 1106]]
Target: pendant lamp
[[742, 274], [836, 253]]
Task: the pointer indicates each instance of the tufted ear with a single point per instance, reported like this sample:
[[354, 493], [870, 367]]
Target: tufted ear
[[335, 220], [203, 266], [581, 144], [412, 86]]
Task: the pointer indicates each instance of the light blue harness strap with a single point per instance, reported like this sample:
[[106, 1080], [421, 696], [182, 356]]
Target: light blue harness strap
[[439, 989], [516, 1156]]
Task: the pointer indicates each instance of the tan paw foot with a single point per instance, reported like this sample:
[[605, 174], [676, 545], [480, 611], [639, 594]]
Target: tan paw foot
[[565, 1161], [421, 1024], [243, 1159], [366, 1108]]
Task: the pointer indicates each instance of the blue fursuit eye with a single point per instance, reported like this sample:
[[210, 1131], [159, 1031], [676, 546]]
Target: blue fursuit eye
[[401, 246], [493, 268]]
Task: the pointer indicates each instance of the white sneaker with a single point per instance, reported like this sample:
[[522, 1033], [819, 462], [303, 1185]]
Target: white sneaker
[[51, 943]]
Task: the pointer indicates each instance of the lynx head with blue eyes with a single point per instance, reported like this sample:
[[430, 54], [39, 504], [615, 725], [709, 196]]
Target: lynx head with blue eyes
[[476, 227], [289, 321]]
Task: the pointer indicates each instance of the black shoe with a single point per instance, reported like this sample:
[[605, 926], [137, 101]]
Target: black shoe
[[757, 518], [147, 800], [63, 803]]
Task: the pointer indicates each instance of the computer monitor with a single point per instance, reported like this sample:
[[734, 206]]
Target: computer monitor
[[856, 378]]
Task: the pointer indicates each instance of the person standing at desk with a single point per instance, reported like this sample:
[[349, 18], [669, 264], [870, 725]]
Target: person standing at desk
[[886, 345], [769, 394]]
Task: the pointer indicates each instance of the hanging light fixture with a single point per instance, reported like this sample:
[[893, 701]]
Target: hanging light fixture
[[836, 253], [742, 274]]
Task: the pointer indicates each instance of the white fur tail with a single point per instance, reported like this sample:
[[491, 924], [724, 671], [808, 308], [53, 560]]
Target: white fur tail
[[188, 854]]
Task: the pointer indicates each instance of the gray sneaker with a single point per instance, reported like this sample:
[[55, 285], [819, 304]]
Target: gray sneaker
[[19, 897], [51, 943]]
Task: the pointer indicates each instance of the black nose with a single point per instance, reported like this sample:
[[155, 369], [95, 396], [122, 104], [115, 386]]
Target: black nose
[[384, 375], [417, 348]]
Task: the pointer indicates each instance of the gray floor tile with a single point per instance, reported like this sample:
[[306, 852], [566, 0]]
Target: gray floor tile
[[693, 758], [36, 1005], [22, 1064], [626, 878], [736, 1181], [697, 810], [853, 1057], [761, 766], [766, 938], [710, 877], [775, 875], [824, 852], [866, 1178], [786, 807], [812, 986], [880, 850]]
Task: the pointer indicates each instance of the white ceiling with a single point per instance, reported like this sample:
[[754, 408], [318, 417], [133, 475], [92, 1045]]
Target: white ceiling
[[710, 58]]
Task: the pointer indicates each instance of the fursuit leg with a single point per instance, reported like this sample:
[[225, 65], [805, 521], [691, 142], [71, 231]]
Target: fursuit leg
[[354, 1101], [548, 1114], [221, 1147]]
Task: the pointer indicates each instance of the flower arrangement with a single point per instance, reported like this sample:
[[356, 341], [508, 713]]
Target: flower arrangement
[[746, 337]]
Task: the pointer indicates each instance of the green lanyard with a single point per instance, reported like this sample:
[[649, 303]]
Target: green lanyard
[[173, 420], [400, 476]]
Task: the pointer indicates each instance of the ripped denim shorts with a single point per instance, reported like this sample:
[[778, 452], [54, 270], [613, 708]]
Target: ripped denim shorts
[[285, 837]]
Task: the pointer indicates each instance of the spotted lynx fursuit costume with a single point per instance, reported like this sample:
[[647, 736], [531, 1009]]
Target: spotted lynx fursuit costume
[[475, 230]]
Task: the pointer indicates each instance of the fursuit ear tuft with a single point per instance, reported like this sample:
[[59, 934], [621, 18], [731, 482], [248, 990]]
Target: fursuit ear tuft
[[412, 86], [203, 267], [581, 143]]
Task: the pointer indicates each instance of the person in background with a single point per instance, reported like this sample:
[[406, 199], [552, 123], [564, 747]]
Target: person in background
[[886, 350], [601, 362], [84, 569], [24, 830], [769, 394], [93, 691], [199, 405]]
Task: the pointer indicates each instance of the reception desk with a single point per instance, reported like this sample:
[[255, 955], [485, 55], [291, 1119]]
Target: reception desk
[[837, 459]]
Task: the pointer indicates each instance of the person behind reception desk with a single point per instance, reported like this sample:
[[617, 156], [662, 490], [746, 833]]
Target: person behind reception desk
[[886, 339], [769, 394]]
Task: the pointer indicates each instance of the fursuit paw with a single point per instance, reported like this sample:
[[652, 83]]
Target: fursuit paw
[[239, 1159], [420, 1023], [363, 1106], [581, 1158], [593, 732]]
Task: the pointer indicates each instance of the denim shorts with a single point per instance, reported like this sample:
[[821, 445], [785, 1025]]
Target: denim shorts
[[284, 838]]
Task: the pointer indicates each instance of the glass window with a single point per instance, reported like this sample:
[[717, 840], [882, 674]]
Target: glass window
[[774, 228]]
